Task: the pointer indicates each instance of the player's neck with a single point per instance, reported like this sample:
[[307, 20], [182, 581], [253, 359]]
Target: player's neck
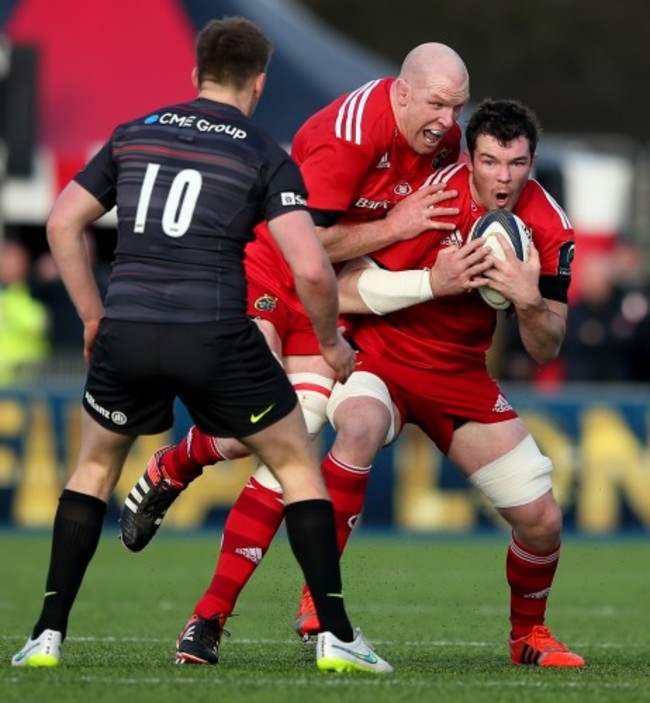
[[243, 101], [475, 194]]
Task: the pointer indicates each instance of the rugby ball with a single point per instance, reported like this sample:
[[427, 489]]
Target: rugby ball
[[515, 232]]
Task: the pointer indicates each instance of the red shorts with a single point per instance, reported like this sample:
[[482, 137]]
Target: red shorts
[[439, 402], [293, 326]]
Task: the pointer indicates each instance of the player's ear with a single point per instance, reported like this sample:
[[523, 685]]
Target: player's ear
[[402, 90], [260, 82], [195, 78]]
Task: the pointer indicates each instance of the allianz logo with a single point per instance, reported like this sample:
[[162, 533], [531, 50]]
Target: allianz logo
[[117, 416]]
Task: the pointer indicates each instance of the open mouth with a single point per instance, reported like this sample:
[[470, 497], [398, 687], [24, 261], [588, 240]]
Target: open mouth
[[501, 199], [431, 136]]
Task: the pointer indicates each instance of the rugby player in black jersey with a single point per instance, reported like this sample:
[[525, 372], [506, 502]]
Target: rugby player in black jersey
[[190, 181]]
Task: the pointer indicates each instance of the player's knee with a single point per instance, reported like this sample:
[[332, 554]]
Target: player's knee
[[363, 420], [537, 525], [539, 531], [313, 391], [549, 519], [361, 411], [520, 477]]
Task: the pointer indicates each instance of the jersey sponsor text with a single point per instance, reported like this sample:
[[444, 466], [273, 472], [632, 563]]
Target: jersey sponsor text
[[200, 123]]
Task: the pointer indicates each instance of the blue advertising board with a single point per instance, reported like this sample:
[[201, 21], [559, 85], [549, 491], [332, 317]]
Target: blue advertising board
[[596, 437]]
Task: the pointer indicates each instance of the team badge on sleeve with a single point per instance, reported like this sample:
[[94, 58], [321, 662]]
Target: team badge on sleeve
[[265, 302], [565, 257]]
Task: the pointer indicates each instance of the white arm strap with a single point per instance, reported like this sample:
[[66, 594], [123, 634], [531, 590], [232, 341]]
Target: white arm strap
[[386, 291]]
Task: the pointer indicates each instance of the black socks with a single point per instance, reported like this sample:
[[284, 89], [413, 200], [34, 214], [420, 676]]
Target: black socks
[[77, 528], [312, 536]]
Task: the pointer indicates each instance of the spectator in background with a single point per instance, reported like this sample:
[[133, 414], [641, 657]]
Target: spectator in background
[[608, 338], [23, 319], [609, 335], [66, 329], [631, 275], [641, 343], [598, 341]]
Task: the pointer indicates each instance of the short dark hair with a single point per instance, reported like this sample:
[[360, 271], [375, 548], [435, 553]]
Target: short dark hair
[[505, 120], [232, 51]]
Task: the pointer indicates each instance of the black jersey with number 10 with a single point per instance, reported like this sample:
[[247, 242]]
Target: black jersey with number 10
[[190, 181]]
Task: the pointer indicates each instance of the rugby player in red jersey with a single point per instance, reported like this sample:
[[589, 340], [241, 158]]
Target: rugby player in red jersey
[[363, 158], [423, 361]]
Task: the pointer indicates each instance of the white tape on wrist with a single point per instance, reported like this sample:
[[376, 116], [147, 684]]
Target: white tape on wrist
[[386, 291]]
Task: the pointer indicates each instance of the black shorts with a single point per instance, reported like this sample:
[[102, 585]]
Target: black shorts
[[226, 376]]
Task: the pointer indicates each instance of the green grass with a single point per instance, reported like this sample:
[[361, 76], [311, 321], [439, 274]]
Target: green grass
[[435, 608]]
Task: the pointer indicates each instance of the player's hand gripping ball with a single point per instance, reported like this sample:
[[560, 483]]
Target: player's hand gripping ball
[[515, 232]]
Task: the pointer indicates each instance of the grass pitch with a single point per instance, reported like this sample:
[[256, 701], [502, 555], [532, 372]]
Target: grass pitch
[[436, 609]]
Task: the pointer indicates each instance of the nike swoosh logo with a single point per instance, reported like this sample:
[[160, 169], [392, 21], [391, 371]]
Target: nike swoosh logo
[[50, 593], [257, 417], [367, 657], [23, 653]]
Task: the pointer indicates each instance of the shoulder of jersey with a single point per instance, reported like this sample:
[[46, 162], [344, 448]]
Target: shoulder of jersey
[[450, 176], [539, 209], [357, 115]]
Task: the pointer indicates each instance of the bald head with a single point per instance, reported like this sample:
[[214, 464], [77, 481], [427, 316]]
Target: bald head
[[434, 64], [428, 95]]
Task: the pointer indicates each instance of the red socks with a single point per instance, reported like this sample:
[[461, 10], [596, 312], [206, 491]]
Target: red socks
[[251, 525], [530, 577], [254, 520], [185, 461], [347, 488]]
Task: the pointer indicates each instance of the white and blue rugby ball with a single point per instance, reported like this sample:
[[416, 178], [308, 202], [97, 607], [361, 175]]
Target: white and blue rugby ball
[[515, 232]]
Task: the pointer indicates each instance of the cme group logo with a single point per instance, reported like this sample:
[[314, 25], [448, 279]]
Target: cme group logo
[[152, 119]]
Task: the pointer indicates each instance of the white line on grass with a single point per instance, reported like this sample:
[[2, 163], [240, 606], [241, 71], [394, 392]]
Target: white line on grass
[[293, 640]]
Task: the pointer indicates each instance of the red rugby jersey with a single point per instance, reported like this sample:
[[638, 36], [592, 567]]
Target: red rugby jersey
[[453, 333], [354, 160]]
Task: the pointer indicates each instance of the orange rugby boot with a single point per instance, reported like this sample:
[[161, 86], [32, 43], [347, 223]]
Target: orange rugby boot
[[540, 648], [306, 624]]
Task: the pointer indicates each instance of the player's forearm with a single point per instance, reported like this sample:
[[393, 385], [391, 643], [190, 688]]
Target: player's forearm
[[377, 291], [320, 299], [350, 301], [69, 252], [542, 327], [74, 210], [343, 242]]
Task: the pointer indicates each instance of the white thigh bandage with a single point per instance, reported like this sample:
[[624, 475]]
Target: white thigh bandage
[[386, 291], [362, 384], [517, 478], [313, 391]]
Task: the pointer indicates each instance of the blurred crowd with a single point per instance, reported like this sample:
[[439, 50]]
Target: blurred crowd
[[24, 319], [608, 333], [40, 331], [608, 328]]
